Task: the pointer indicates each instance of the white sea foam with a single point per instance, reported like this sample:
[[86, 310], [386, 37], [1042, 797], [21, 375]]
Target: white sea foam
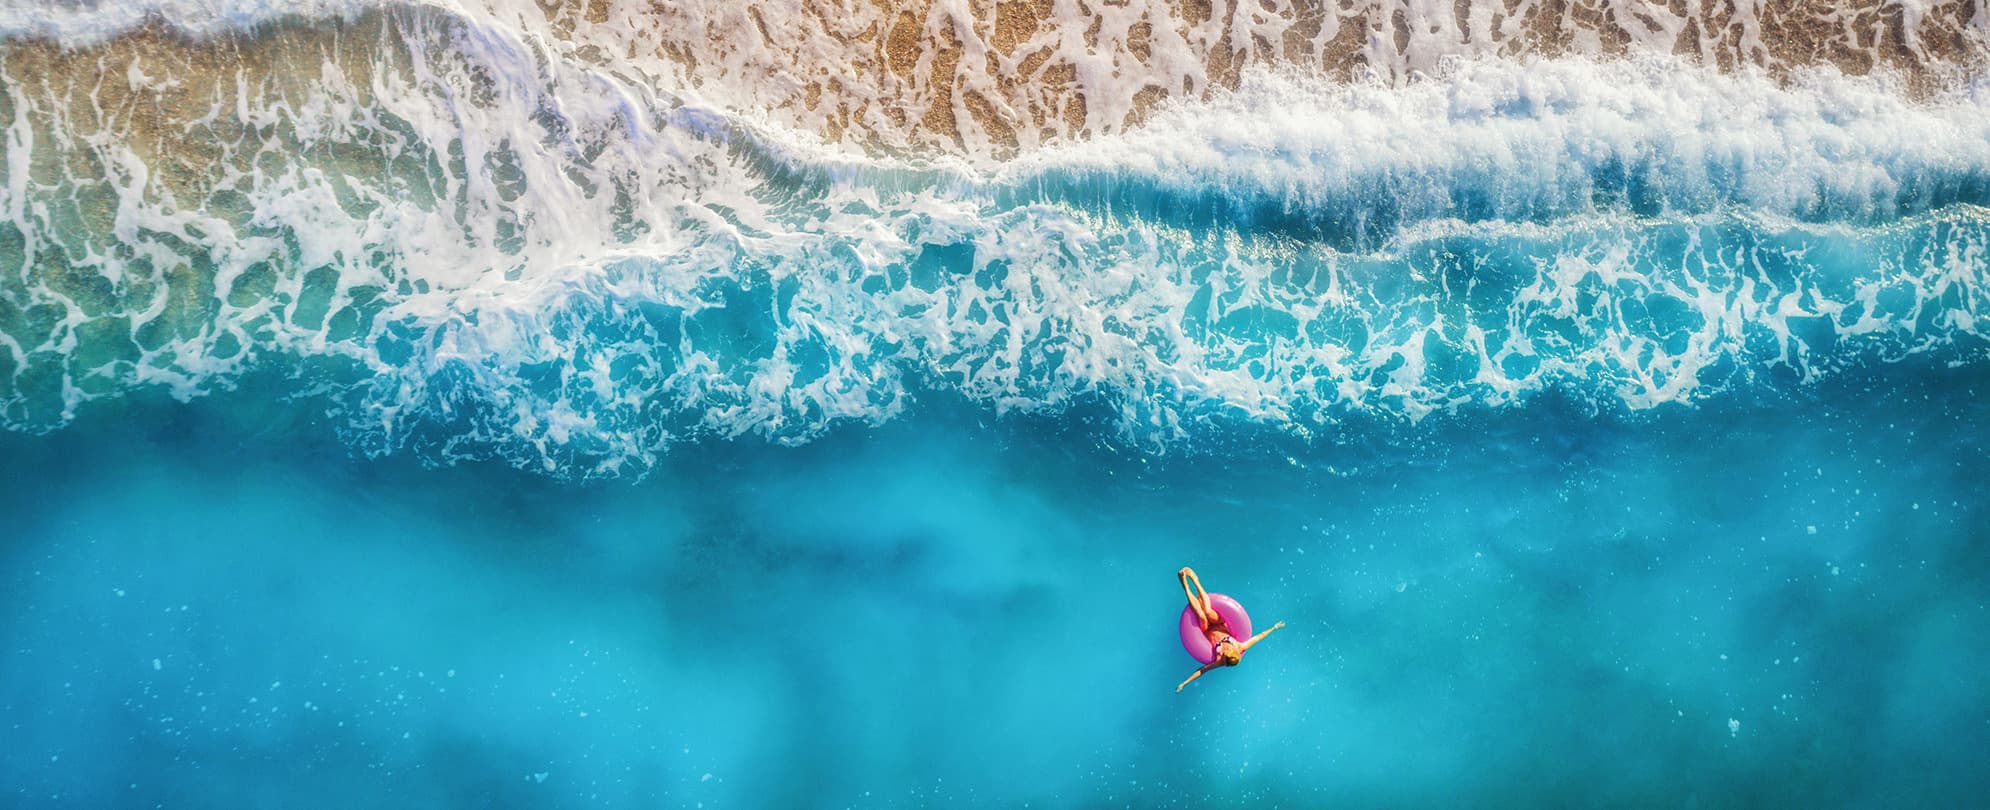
[[1501, 141], [474, 245], [83, 22]]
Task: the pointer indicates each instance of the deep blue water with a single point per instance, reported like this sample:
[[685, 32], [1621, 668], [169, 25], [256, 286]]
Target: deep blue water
[[1774, 602]]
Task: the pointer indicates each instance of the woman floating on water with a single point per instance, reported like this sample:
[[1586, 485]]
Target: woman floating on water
[[1206, 627]]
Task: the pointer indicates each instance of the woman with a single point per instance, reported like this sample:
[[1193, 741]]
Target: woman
[[1229, 651]]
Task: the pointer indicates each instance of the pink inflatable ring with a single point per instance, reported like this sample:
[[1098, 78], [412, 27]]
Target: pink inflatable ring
[[1234, 618]]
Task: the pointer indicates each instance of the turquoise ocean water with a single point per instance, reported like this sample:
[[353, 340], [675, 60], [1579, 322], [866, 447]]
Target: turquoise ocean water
[[499, 428]]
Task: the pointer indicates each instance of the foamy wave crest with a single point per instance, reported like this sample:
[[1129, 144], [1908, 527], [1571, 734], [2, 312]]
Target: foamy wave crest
[[1033, 311], [1351, 164], [474, 246]]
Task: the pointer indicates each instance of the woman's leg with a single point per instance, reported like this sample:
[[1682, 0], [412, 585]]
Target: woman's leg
[[1203, 610]]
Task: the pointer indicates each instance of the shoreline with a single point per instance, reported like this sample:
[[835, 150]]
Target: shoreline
[[1002, 79]]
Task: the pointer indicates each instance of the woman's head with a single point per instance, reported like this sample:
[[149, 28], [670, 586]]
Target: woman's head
[[1229, 652]]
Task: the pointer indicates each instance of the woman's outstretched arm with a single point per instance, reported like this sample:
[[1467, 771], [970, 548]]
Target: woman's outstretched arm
[[1260, 637], [1203, 610], [1198, 673]]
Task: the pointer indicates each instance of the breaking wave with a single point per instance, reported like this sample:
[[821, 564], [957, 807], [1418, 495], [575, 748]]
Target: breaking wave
[[477, 244]]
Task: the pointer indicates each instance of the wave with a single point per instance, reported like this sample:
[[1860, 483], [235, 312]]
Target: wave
[[474, 246], [1351, 164], [1033, 312]]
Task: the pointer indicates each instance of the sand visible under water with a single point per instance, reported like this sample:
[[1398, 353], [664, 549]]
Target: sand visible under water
[[996, 78]]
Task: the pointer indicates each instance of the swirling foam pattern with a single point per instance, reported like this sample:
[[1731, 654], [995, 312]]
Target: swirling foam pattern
[[476, 244]]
